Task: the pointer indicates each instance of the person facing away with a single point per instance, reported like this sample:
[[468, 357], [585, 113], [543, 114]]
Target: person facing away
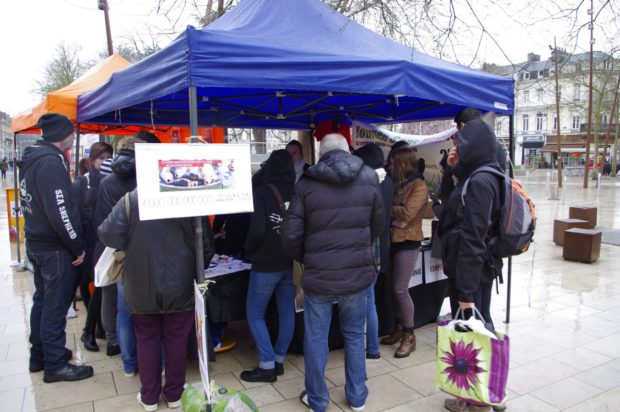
[[158, 277], [272, 268], [410, 199], [373, 157], [335, 214], [99, 153], [117, 322], [54, 245]]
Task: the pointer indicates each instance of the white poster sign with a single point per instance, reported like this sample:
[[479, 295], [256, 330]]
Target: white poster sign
[[182, 180], [416, 278], [201, 338], [433, 269]]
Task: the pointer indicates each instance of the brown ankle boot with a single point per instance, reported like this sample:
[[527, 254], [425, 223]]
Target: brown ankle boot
[[394, 337], [407, 345]]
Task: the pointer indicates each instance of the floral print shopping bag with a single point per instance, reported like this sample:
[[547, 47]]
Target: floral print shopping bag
[[471, 365]]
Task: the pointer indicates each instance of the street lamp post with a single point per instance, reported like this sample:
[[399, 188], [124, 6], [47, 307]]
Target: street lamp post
[[103, 5]]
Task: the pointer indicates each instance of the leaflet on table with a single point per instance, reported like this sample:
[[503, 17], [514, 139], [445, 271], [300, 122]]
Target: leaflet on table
[[224, 265]]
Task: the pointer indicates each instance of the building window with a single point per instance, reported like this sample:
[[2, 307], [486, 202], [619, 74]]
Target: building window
[[498, 128], [526, 123], [539, 121], [526, 75], [540, 95], [607, 64], [575, 121], [555, 123], [577, 92], [525, 97], [605, 119]]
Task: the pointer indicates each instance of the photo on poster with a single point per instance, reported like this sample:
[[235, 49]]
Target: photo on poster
[[196, 174]]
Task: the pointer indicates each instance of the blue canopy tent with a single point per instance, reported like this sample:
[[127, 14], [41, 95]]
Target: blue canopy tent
[[289, 64]]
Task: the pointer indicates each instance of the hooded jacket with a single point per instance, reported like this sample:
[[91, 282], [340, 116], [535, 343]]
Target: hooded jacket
[[160, 258], [336, 212], [466, 229], [47, 200], [263, 243]]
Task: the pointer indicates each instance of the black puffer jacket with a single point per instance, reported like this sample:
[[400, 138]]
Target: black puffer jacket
[[160, 258], [113, 187], [336, 212], [47, 199], [465, 230]]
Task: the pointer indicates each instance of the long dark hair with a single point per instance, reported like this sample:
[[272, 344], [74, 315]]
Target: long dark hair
[[404, 162]]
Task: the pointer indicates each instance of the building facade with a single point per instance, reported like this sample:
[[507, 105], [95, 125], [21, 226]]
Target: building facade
[[535, 119], [6, 136]]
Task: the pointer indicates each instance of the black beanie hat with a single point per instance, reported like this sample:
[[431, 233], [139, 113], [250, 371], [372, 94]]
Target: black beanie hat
[[55, 127], [371, 154], [279, 167]]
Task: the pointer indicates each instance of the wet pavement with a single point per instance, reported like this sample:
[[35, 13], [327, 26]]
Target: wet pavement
[[564, 330]]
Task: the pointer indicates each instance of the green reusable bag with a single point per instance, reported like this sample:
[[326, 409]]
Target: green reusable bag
[[222, 399], [472, 365]]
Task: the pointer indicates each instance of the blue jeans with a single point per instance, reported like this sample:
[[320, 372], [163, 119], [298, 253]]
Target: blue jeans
[[262, 286], [54, 282], [125, 332], [372, 321], [317, 319]]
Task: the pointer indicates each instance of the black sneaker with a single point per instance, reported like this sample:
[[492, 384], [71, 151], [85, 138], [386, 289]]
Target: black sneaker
[[279, 368], [69, 373], [113, 350], [372, 357], [38, 366], [303, 398], [260, 375]]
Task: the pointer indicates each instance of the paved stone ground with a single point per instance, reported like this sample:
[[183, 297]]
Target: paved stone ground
[[565, 335]]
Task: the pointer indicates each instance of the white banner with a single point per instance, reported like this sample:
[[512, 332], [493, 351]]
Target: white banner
[[429, 147], [416, 278], [201, 339], [433, 269], [182, 180]]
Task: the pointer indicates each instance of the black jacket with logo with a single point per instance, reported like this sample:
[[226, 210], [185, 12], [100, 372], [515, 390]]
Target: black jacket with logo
[[263, 242], [47, 200]]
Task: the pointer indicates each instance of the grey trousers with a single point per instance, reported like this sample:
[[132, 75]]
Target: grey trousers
[[108, 313]]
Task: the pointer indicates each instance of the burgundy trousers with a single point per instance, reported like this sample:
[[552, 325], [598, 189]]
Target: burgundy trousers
[[170, 330]]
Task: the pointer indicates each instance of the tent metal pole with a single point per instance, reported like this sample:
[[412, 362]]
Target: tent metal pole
[[76, 165], [16, 200], [193, 131], [512, 175]]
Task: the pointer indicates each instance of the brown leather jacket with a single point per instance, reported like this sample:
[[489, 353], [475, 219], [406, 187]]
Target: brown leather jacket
[[407, 211]]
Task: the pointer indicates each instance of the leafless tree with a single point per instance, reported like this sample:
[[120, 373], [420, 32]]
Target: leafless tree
[[64, 68]]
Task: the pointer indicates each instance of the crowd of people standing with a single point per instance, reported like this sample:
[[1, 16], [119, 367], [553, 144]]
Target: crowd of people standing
[[352, 217]]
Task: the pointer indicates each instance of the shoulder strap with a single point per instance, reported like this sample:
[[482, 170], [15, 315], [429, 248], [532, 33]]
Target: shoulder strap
[[278, 196], [488, 169], [127, 205]]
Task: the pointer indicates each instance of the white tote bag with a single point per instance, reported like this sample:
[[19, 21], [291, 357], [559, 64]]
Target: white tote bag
[[109, 267]]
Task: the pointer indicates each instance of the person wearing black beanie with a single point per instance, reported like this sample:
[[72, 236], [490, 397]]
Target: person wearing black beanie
[[55, 127], [272, 268], [55, 246]]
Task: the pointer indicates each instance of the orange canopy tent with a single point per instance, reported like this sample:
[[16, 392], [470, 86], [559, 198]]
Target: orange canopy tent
[[64, 101]]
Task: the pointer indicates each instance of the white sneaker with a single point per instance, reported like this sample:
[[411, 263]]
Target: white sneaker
[[71, 313], [147, 408], [129, 374], [358, 408], [174, 405]]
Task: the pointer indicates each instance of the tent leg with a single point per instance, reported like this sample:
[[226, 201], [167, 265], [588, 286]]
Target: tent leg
[[76, 165], [16, 199], [193, 131], [512, 175]]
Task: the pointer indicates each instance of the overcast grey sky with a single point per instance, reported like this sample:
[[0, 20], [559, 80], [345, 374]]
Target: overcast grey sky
[[31, 29]]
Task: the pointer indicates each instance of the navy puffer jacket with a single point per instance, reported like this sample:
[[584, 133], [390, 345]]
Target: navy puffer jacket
[[336, 212]]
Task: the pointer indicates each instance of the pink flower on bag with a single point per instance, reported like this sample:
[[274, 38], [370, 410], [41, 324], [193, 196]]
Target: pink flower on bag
[[463, 363]]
